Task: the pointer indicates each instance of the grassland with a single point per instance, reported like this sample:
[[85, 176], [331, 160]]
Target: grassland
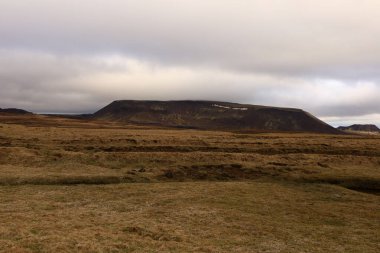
[[69, 185]]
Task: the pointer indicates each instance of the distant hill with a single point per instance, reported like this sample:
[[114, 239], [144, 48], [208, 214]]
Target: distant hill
[[213, 116], [14, 111], [361, 128]]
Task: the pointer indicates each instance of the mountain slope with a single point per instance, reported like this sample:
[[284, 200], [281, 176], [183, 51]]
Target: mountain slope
[[213, 115]]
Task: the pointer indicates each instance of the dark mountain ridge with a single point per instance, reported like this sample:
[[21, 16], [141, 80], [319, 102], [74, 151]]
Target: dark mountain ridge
[[14, 111], [213, 115], [360, 128]]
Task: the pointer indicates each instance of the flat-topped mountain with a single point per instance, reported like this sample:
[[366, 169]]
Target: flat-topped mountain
[[213, 115], [360, 128], [14, 111]]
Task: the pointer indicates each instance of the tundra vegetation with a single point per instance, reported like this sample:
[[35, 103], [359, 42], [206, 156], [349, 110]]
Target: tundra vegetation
[[93, 186]]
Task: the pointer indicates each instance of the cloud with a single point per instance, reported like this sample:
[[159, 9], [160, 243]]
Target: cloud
[[71, 83], [76, 56], [292, 36]]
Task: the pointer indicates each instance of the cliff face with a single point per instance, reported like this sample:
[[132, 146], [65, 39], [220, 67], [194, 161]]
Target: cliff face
[[213, 115]]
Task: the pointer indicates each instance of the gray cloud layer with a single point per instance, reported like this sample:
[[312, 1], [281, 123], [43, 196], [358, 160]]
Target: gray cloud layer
[[74, 56]]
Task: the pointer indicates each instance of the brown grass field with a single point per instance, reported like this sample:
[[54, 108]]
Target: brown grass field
[[80, 186]]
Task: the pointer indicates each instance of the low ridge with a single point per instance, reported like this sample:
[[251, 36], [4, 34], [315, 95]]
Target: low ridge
[[360, 128], [213, 115], [14, 111]]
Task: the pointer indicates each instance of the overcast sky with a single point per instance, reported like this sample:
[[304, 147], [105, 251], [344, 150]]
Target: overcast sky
[[73, 56]]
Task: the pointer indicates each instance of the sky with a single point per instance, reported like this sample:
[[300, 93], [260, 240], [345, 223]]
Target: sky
[[76, 56]]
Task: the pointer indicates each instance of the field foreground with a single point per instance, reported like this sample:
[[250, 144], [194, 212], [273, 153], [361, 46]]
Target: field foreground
[[69, 185]]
